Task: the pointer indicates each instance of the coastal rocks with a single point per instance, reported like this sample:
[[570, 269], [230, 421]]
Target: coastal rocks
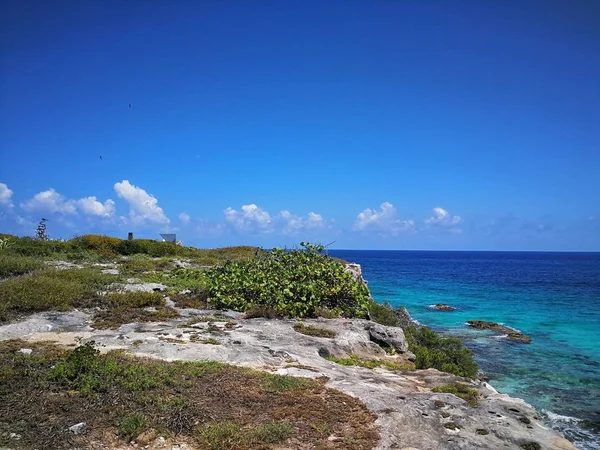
[[510, 332], [442, 307], [356, 272], [141, 287], [64, 265], [78, 428], [390, 336]]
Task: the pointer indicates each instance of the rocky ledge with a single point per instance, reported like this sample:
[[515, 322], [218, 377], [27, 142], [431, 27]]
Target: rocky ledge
[[510, 333], [410, 413]]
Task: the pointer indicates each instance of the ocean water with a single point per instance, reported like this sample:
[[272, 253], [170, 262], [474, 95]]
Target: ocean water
[[552, 297]]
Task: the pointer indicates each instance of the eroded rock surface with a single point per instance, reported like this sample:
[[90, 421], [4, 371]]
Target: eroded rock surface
[[409, 414]]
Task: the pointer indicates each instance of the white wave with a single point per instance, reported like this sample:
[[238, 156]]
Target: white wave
[[560, 418], [509, 327], [500, 336]]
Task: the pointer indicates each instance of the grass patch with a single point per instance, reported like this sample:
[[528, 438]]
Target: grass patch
[[11, 265], [196, 300], [114, 318], [133, 299], [468, 394], [229, 435], [354, 360], [314, 331], [209, 404], [141, 263], [51, 289], [129, 307], [131, 426]]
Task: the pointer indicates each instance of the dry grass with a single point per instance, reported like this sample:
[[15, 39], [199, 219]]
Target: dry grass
[[210, 405]]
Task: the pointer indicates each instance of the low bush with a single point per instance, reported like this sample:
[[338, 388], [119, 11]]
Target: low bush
[[447, 354], [51, 289], [471, 396], [11, 265], [383, 314], [296, 283]]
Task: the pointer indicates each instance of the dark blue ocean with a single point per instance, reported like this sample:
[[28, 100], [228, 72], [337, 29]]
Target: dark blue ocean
[[552, 297]]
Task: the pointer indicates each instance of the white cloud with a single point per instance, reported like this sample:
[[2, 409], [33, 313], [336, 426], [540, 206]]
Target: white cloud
[[143, 207], [50, 201], [184, 218], [5, 195], [251, 218], [384, 220], [91, 206], [442, 218], [294, 224]]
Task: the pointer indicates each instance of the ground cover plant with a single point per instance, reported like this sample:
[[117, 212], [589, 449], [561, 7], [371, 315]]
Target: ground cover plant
[[310, 330], [354, 360], [471, 396], [209, 404]]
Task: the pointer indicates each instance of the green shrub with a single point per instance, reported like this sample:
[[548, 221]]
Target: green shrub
[[105, 245], [460, 390], [447, 354], [383, 314], [295, 283], [11, 265]]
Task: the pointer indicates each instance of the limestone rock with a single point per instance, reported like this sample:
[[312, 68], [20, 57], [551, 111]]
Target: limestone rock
[[78, 428], [392, 336]]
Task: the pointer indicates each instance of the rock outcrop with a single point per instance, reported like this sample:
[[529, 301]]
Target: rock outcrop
[[443, 307], [409, 413], [511, 333]]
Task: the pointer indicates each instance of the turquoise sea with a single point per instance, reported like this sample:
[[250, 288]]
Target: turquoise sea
[[552, 297]]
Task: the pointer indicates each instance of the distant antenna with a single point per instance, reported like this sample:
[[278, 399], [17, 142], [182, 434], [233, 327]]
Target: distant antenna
[[169, 237]]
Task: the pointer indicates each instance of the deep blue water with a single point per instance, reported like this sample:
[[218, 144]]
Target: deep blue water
[[552, 297]]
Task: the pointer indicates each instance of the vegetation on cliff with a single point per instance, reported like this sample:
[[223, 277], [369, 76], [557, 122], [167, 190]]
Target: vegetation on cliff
[[301, 283]]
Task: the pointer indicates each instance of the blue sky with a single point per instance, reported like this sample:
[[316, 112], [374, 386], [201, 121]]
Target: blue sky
[[471, 125]]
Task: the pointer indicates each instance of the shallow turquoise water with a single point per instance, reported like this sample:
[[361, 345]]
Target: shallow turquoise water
[[552, 297]]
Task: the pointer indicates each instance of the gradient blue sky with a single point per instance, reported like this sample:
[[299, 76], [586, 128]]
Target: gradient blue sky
[[387, 124]]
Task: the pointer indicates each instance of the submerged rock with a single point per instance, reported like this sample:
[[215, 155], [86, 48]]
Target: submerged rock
[[510, 332], [443, 307]]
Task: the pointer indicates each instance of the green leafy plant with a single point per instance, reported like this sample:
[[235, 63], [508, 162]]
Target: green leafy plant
[[297, 283], [447, 354]]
